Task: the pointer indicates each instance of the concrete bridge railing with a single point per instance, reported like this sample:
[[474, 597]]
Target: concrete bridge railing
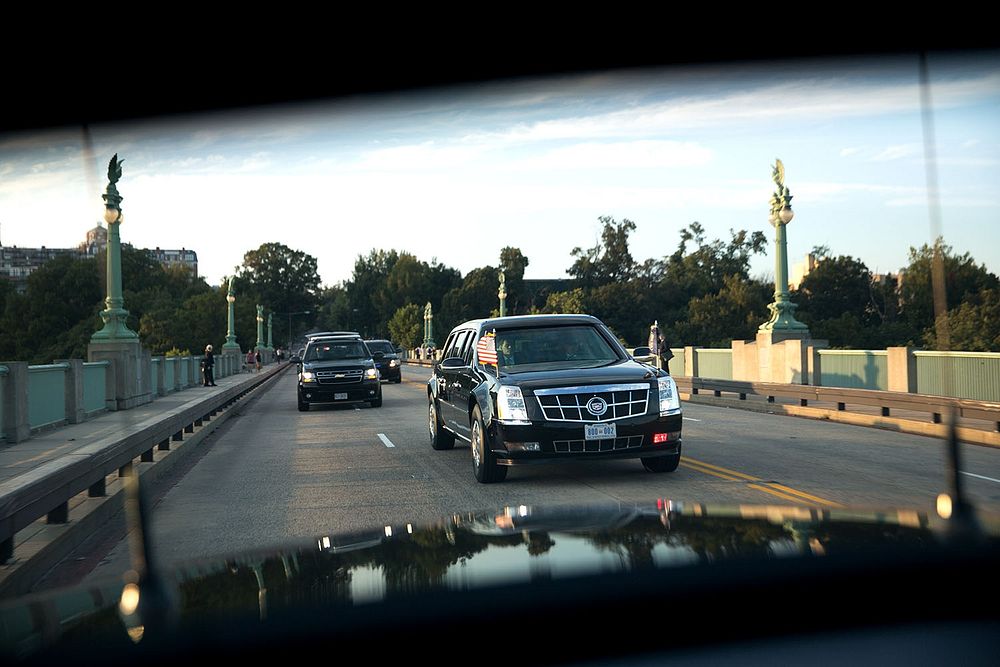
[[35, 398]]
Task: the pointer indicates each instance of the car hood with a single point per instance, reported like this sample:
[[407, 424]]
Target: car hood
[[627, 371], [507, 546]]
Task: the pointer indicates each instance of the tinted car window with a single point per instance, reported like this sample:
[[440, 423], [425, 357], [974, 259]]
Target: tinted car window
[[456, 345], [335, 351], [521, 350], [381, 346]]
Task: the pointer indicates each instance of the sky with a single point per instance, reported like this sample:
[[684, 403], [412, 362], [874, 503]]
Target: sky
[[455, 174]]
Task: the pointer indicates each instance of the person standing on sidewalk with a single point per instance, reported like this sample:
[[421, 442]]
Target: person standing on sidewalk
[[249, 361], [209, 364], [257, 359]]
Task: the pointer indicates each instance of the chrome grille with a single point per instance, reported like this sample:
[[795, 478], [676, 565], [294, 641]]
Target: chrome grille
[[330, 377], [609, 445], [569, 404]]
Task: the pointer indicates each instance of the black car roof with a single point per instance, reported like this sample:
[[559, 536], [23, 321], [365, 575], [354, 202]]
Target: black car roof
[[529, 321]]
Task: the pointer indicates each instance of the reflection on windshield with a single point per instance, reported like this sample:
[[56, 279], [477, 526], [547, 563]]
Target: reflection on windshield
[[336, 351], [380, 346], [522, 350]]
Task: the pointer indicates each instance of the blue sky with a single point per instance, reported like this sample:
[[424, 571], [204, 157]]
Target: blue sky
[[458, 173]]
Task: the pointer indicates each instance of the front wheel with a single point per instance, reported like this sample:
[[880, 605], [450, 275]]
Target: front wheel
[[440, 438], [484, 461], [377, 403], [661, 463], [303, 406]]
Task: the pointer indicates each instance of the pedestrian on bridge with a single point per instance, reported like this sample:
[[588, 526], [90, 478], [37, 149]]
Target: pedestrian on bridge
[[208, 363], [249, 361], [257, 359]]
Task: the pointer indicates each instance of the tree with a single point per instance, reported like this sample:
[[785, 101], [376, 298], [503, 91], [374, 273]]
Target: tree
[[715, 320], [964, 280], [972, 327], [406, 326], [513, 263], [608, 261], [281, 279], [565, 302], [836, 286]]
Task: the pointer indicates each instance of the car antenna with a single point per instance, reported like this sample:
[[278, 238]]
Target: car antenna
[[963, 526], [147, 604]]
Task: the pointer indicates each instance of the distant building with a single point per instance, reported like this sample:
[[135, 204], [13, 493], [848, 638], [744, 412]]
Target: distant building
[[182, 257], [16, 264], [802, 269]]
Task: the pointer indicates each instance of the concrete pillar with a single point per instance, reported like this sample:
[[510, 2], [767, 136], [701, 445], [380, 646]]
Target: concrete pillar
[[690, 361], [148, 391], [815, 361], [130, 383], [74, 390], [795, 365], [902, 369], [16, 426]]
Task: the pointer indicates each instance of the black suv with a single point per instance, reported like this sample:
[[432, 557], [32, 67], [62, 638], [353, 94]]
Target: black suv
[[338, 368], [386, 360], [529, 389]]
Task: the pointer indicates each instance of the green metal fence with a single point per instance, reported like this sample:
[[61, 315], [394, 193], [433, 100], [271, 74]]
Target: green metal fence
[[169, 370], [3, 388], [183, 364], [95, 389], [854, 369], [974, 375], [46, 395], [713, 363], [154, 375]]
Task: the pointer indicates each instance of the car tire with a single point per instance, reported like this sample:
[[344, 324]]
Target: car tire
[[440, 438], [303, 406], [484, 461], [377, 403], [661, 463], [399, 379]]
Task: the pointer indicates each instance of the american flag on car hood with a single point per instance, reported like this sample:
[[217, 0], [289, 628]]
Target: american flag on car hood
[[486, 349]]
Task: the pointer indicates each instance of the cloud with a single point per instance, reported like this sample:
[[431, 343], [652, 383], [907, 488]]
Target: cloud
[[623, 155], [896, 153], [969, 143], [847, 152]]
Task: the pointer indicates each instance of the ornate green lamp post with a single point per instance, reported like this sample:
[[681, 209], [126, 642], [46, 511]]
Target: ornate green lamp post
[[270, 326], [782, 310], [114, 313], [428, 326], [260, 327], [231, 346], [502, 293]]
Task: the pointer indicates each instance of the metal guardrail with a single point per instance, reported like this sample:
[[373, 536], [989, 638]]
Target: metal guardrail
[[47, 489], [936, 406]]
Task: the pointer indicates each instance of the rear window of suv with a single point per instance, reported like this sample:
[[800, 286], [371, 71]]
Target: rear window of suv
[[545, 348]]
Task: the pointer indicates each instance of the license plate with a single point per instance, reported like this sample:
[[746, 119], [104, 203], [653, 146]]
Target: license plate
[[340, 397], [599, 431]]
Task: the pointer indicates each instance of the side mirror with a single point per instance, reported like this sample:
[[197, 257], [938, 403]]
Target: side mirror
[[294, 359], [642, 352], [453, 362], [378, 355]]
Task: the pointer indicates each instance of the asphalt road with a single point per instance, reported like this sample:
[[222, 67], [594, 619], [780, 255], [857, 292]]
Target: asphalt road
[[273, 474]]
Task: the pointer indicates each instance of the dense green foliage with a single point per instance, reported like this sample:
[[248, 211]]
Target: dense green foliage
[[701, 294]]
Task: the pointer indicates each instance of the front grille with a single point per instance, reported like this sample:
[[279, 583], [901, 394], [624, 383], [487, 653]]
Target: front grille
[[331, 377], [569, 404], [609, 445]]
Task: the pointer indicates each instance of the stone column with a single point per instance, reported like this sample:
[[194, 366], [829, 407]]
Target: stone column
[[902, 369]]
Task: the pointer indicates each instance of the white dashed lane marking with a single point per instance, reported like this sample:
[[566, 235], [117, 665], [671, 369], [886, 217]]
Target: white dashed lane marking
[[386, 441]]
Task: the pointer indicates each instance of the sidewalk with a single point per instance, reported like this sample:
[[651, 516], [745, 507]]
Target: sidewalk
[[47, 445]]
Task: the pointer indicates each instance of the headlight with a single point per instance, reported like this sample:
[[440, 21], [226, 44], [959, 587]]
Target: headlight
[[670, 400], [510, 405], [308, 376], [371, 374], [393, 363]]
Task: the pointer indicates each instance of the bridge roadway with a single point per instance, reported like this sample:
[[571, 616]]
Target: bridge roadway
[[272, 474]]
